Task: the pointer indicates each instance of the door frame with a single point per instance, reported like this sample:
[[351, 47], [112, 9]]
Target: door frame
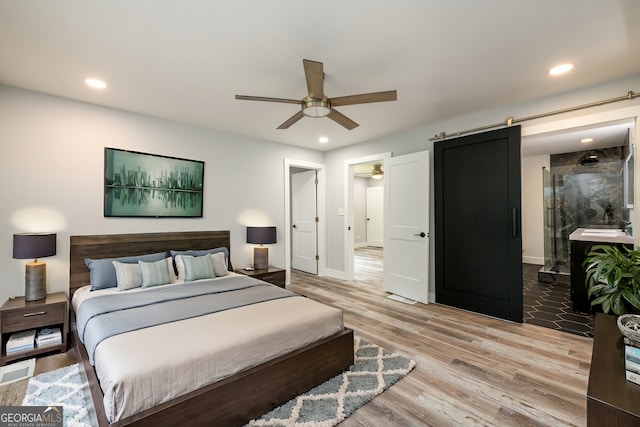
[[349, 242], [321, 209]]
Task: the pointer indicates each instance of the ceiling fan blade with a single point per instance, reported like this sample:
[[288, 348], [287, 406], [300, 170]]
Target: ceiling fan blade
[[264, 98], [365, 98], [293, 119], [313, 71], [341, 119]]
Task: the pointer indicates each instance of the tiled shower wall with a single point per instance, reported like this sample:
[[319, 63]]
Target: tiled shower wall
[[585, 193]]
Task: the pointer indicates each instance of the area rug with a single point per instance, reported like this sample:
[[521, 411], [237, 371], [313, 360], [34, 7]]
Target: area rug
[[375, 369], [60, 387], [17, 371]]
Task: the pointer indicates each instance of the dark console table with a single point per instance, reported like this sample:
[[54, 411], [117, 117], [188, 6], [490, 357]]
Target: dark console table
[[611, 399]]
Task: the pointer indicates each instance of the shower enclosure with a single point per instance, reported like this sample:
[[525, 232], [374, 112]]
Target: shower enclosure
[[578, 194], [556, 235]]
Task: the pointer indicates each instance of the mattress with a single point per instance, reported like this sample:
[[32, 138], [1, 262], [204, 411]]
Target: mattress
[[140, 369]]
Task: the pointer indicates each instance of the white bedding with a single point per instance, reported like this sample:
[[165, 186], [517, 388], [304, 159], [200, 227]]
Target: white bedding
[[143, 368]]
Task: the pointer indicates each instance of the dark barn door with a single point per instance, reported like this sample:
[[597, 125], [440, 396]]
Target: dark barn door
[[478, 239]]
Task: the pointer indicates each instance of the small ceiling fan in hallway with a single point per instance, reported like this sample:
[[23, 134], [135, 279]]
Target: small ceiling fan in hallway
[[316, 104]]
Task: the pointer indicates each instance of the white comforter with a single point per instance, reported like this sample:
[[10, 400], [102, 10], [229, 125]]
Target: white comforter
[[141, 369]]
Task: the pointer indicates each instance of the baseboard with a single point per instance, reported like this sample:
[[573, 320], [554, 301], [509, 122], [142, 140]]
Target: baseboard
[[360, 245], [432, 297], [336, 274], [532, 260]]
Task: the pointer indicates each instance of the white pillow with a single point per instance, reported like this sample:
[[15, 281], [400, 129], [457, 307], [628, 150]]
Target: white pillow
[[128, 276], [219, 264]]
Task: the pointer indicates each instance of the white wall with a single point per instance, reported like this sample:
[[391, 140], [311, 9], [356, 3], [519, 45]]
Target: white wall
[[418, 140], [533, 208], [51, 168]]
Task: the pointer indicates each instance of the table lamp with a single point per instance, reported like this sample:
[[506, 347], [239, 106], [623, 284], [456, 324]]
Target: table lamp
[[261, 236], [28, 245]]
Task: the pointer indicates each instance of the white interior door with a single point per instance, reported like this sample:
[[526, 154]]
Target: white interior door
[[406, 226], [304, 232], [375, 216]]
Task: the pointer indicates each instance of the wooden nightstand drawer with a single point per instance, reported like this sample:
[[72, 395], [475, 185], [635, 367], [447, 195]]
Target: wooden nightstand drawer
[[275, 276], [28, 318]]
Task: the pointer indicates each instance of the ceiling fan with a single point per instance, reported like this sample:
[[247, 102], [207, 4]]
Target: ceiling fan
[[316, 103]]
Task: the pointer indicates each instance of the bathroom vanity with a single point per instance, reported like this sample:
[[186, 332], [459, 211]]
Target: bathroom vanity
[[581, 242]]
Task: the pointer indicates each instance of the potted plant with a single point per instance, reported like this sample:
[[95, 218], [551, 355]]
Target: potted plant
[[613, 279]]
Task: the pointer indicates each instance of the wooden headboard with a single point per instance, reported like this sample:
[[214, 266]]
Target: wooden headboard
[[119, 245]]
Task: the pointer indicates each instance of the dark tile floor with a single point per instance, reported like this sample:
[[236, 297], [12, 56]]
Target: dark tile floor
[[549, 305]]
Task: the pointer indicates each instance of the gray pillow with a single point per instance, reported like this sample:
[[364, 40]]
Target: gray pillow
[[102, 273], [219, 264], [129, 275]]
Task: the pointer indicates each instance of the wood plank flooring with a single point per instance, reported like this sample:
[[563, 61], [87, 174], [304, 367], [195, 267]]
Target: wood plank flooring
[[472, 370]]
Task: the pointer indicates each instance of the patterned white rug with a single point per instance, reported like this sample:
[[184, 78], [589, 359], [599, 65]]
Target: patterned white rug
[[375, 369], [60, 387]]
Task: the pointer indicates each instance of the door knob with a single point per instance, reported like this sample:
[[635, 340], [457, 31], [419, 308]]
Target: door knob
[[421, 234], [294, 226]]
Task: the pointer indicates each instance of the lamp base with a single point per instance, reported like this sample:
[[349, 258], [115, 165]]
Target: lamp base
[[261, 258], [35, 283]]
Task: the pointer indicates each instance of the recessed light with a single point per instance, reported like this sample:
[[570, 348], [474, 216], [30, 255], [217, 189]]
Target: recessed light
[[96, 84], [586, 140], [323, 140], [560, 69]]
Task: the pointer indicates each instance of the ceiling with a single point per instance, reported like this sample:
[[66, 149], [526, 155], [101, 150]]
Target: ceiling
[[186, 60]]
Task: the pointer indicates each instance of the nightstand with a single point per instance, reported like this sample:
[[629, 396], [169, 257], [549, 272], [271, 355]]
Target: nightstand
[[274, 275], [19, 315]]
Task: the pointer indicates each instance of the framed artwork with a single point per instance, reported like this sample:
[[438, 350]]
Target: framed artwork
[[150, 185]]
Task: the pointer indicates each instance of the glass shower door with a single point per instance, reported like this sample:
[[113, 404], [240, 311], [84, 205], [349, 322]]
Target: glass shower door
[[548, 216]]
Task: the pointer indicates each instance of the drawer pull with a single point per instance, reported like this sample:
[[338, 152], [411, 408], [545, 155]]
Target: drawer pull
[[37, 313], [265, 278]]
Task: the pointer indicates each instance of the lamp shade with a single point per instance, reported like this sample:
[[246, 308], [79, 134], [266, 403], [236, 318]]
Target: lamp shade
[[28, 245], [261, 235]]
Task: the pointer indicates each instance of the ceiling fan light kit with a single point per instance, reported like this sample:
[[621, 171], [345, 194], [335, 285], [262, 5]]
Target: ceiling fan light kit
[[316, 108], [317, 105], [377, 173]]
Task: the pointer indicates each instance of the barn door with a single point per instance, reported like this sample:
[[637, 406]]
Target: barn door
[[478, 240]]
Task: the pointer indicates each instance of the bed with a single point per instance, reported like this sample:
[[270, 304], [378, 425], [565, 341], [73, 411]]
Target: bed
[[244, 387]]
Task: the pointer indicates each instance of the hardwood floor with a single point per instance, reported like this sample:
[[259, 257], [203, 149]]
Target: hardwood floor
[[471, 370]]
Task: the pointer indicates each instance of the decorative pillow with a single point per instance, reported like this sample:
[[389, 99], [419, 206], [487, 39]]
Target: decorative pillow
[[180, 265], [102, 273], [200, 267], [155, 273], [128, 276], [219, 264]]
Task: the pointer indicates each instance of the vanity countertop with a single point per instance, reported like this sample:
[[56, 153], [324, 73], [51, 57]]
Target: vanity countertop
[[604, 235]]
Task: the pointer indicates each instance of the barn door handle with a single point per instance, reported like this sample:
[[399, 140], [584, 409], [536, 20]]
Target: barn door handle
[[514, 222], [421, 234]]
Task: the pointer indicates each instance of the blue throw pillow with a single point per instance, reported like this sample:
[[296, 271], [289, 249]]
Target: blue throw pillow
[[200, 267], [155, 273], [102, 273]]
